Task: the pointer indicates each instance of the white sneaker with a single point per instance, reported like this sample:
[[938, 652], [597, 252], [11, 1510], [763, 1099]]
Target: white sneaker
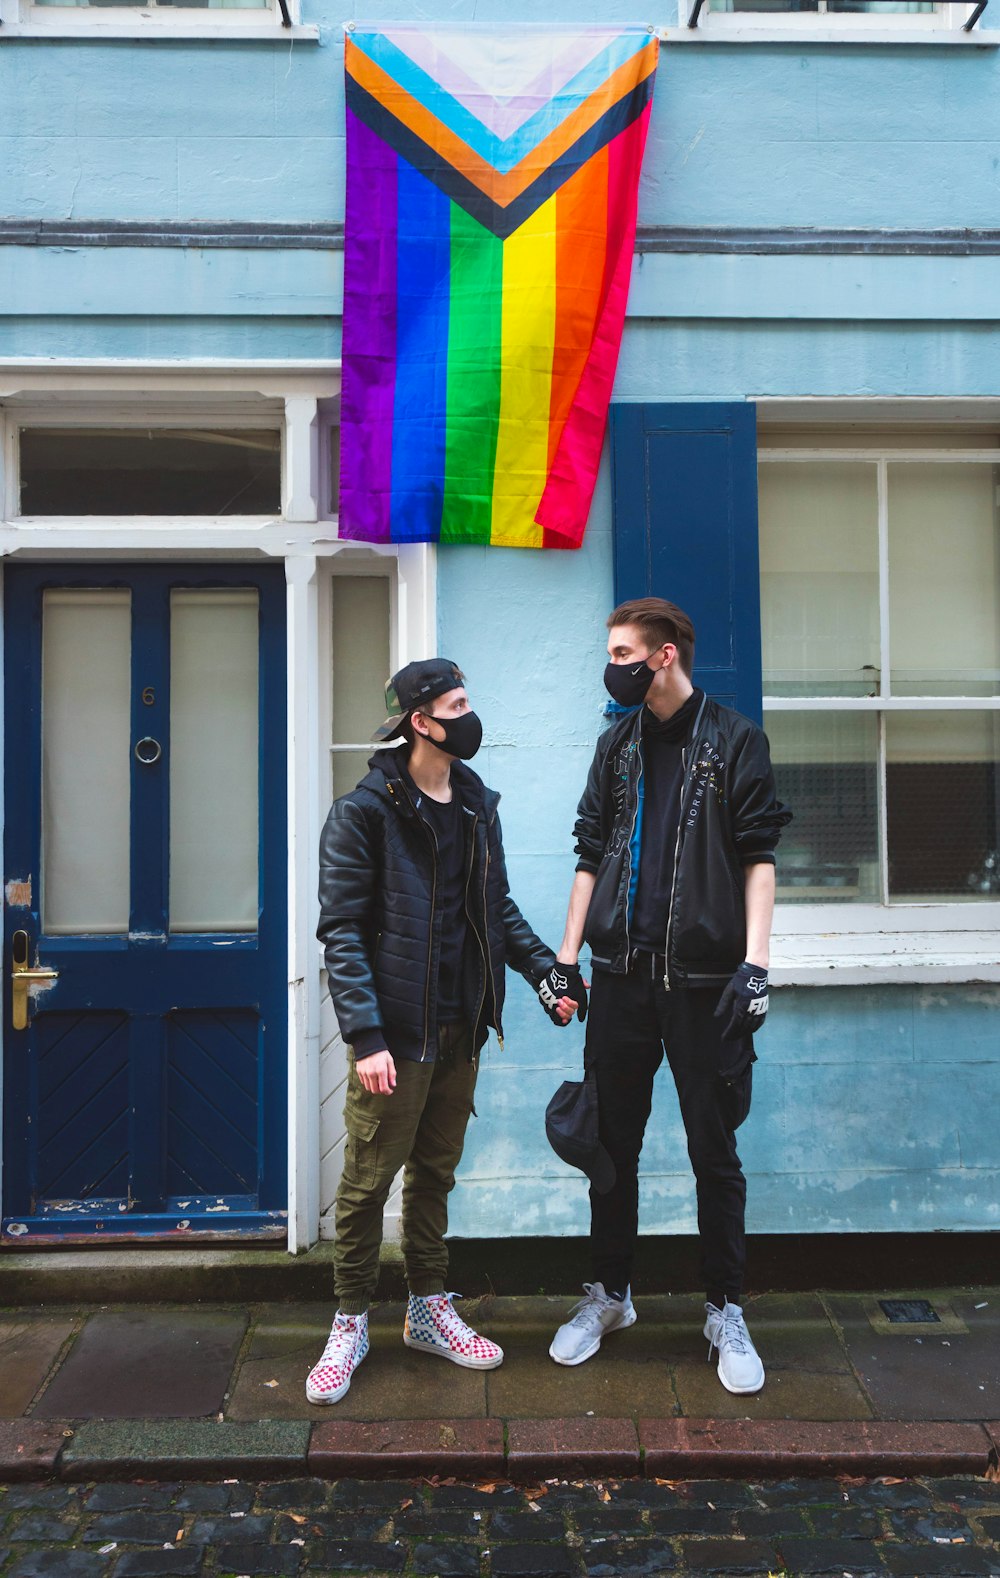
[[433, 1325], [740, 1367], [590, 1322], [346, 1346]]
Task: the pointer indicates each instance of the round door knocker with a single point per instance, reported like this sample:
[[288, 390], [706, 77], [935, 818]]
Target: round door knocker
[[147, 751]]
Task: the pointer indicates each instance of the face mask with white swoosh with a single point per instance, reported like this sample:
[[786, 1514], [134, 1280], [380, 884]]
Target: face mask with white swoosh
[[628, 683]]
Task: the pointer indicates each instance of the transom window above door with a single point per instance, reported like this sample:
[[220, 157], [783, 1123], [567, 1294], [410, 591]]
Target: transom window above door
[[215, 471], [880, 611]]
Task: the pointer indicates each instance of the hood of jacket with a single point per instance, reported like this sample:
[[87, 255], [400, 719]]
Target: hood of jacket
[[385, 772]]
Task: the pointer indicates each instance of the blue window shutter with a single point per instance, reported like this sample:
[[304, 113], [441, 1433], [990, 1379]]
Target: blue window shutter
[[685, 523]]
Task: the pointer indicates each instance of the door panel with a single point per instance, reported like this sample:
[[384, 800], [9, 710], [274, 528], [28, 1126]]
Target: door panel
[[214, 823], [145, 768], [86, 661]]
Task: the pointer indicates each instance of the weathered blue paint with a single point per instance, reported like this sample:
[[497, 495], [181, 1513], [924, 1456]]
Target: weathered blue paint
[[872, 1106]]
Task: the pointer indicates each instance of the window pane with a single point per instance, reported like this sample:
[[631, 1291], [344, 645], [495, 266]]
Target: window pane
[[825, 767], [819, 578], [348, 768], [763, 5], [148, 471], [208, 5], [944, 575], [361, 660], [86, 764], [943, 816], [213, 760]]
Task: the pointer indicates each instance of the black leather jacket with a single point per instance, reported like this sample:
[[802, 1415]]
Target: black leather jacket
[[730, 817], [382, 929]]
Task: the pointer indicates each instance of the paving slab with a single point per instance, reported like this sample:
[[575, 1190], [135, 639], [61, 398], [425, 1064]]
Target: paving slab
[[469, 1448], [787, 1394], [794, 1331], [695, 1448], [29, 1449], [925, 1376], [622, 1379], [538, 1448], [394, 1382], [193, 1449], [29, 1346], [146, 1364]]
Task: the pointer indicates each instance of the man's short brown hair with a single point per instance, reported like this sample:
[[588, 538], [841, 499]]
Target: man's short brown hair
[[658, 621]]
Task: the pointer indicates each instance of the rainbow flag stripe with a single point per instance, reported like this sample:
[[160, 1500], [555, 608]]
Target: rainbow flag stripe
[[492, 182]]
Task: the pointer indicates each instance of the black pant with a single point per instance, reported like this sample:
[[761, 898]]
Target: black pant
[[632, 1018]]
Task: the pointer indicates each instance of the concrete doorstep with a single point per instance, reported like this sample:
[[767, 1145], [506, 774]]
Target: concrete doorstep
[[524, 1451]]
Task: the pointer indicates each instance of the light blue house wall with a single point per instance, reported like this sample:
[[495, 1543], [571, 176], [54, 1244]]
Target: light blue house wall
[[874, 1106]]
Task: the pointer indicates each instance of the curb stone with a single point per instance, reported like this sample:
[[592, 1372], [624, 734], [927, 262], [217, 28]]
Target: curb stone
[[475, 1448]]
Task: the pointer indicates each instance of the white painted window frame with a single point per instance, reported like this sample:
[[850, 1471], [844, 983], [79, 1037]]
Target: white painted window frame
[[293, 394], [848, 943], [945, 24], [259, 24]]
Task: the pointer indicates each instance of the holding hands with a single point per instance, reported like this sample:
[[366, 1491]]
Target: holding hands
[[563, 992]]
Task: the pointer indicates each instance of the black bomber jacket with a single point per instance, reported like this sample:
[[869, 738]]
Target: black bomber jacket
[[730, 817], [381, 927]]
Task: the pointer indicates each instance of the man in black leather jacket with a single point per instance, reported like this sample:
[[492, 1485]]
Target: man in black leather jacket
[[418, 925], [674, 893]]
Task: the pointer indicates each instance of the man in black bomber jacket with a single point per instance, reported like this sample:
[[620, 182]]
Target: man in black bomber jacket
[[418, 925], [674, 893]]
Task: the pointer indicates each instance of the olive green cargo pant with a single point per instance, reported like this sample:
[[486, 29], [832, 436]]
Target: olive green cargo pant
[[420, 1128]]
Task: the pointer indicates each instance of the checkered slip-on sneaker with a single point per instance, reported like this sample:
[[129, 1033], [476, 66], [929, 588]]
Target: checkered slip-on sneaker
[[433, 1325], [346, 1346]]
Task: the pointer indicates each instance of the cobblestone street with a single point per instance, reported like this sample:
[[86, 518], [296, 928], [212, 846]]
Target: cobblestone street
[[846, 1528]]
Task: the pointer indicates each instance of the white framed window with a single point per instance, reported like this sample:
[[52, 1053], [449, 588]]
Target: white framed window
[[248, 19], [138, 454], [834, 21], [880, 612], [364, 620]]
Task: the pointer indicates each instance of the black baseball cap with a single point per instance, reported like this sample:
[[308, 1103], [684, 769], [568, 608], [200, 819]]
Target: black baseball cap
[[413, 687], [571, 1128]]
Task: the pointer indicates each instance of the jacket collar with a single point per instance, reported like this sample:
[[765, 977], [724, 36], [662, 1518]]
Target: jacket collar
[[385, 778]]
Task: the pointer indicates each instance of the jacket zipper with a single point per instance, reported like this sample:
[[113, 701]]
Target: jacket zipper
[[628, 885], [430, 935], [489, 961], [677, 847], [468, 915], [673, 880]]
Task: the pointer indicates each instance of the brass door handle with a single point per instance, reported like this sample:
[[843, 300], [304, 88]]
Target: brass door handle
[[22, 975]]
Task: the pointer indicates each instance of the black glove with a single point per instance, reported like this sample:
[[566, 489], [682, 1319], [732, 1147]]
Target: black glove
[[563, 980], [743, 1004]]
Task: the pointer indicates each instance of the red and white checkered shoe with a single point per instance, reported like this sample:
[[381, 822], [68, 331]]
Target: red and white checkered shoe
[[346, 1346], [433, 1325]]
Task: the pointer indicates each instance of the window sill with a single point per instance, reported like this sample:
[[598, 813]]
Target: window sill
[[171, 28], [925, 38], [880, 958]]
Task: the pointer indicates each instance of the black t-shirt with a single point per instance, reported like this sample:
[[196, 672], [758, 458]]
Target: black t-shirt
[[448, 822], [662, 783]]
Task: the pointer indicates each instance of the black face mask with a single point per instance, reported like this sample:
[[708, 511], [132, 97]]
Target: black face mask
[[462, 735], [627, 683]]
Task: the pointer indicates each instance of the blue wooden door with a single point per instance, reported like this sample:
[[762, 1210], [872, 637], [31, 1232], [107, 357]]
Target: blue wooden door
[[145, 868], [685, 520]]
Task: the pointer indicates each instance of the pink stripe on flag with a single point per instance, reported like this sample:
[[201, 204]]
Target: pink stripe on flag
[[369, 353]]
